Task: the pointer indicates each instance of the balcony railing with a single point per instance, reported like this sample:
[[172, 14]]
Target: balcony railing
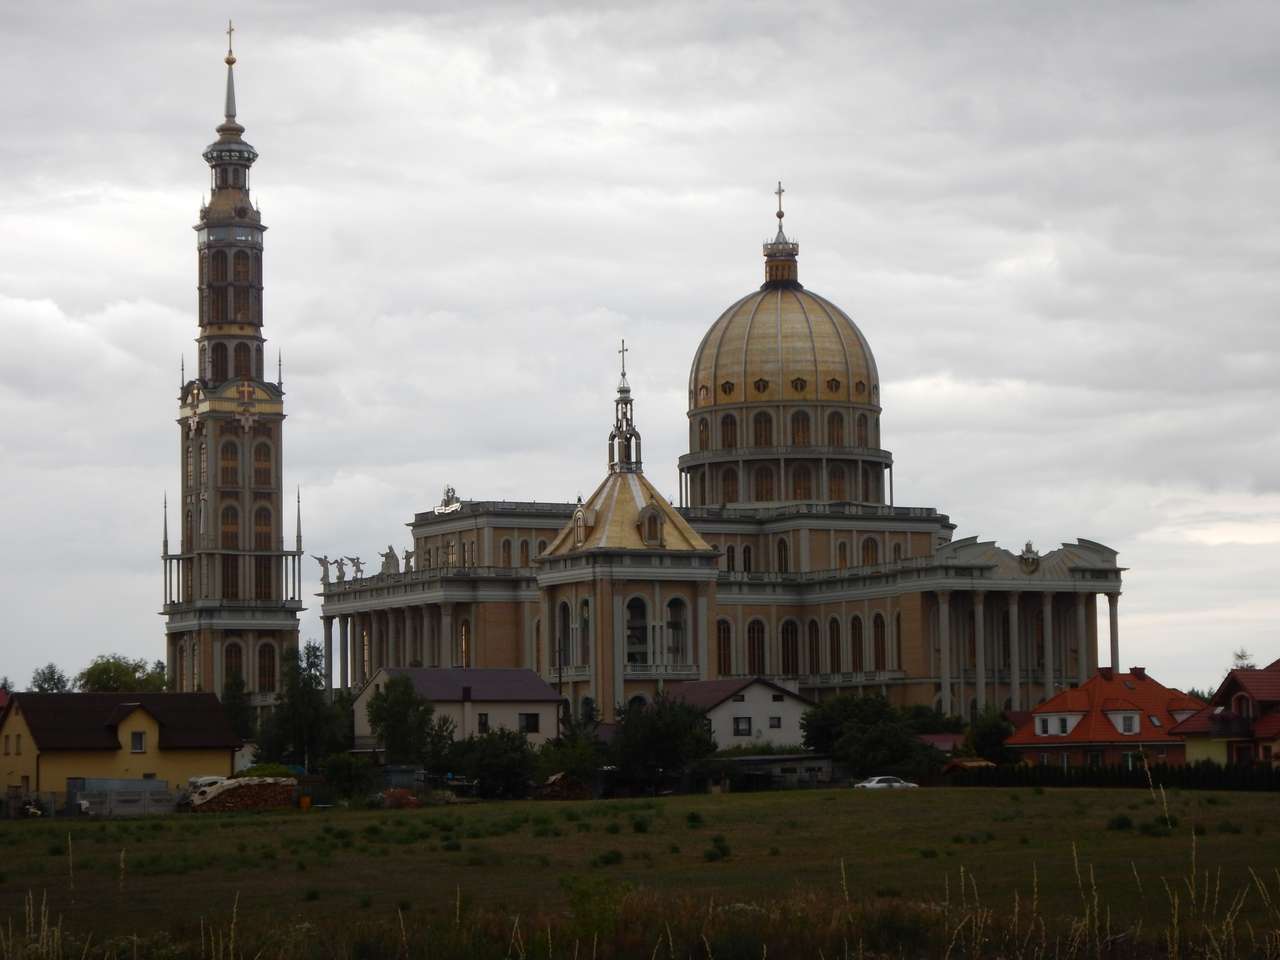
[[791, 451], [638, 671]]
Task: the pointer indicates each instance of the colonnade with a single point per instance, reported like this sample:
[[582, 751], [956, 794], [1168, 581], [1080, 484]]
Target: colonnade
[[987, 676], [429, 635]]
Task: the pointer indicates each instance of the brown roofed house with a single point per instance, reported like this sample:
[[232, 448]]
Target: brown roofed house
[[1241, 723], [48, 738]]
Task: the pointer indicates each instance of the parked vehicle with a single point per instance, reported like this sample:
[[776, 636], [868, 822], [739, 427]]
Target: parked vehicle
[[885, 783]]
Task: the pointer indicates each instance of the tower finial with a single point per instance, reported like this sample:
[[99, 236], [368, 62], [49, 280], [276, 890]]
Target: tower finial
[[229, 60], [230, 57], [779, 192], [298, 514], [780, 253], [279, 369]]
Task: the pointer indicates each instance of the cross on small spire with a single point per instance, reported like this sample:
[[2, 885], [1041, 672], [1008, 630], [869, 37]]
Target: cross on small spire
[[778, 193], [231, 57], [623, 352]]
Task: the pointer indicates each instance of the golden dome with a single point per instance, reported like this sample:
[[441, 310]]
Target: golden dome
[[783, 343]]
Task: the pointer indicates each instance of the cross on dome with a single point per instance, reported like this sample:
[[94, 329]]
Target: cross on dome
[[231, 57]]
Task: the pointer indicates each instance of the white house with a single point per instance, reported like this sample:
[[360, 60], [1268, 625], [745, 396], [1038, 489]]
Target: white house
[[476, 700], [745, 711]]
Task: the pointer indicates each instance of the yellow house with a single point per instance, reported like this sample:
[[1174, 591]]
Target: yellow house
[[48, 738]]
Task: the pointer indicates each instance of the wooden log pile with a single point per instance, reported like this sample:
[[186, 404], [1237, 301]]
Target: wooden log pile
[[245, 794]]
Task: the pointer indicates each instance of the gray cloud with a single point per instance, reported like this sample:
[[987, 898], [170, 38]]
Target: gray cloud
[[1053, 224]]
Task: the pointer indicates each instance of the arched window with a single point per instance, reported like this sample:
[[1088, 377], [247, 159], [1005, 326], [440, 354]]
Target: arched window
[[704, 434], [266, 668], [257, 361], [730, 556], [204, 463], [724, 648], [870, 552], [542, 547], [855, 644], [677, 631], [651, 529], [1242, 705], [842, 555], [218, 372], [241, 311], [564, 648], [762, 430], [579, 529], [833, 638], [262, 465], [729, 485], [746, 559], [229, 464], [261, 528], [814, 663], [835, 429], [584, 632], [783, 557], [729, 431], [188, 464], [897, 642], [835, 661], [836, 485], [240, 267], [801, 483], [862, 429], [464, 643], [524, 553], [230, 539], [755, 648], [506, 553], [763, 484], [218, 305], [242, 361], [790, 649], [637, 631], [219, 262], [877, 641], [800, 429], [232, 662], [897, 551]]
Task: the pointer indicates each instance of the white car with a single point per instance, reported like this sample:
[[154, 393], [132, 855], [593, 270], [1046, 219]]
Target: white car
[[885, 783]]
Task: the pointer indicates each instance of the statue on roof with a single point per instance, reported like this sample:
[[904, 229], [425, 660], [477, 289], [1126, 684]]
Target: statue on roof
[[390, 560], [341, 564], [408, 560], [357, 568], [325, 563]]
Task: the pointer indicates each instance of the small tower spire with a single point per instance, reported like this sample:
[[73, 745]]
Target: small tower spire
[[298, 514], [182, 370], [165, 537], [230, 61], [780, 253], [279, 369], [624, 439]]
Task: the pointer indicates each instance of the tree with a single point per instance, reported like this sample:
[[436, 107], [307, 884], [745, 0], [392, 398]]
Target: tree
[[437, 748], [115, 673], [1242, 659], [1206, 694], [349, 775], [6, 684], [870, 735], [987, 735], [500, 762], [400, 719], [49, 679], [235, 703], [826, 722], [303, 727], [578, 752], [660, 738]]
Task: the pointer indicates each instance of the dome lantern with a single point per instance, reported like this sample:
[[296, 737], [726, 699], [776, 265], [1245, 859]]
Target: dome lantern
[[780, 266]]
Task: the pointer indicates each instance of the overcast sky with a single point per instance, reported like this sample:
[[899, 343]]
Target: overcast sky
[[1056, 224]]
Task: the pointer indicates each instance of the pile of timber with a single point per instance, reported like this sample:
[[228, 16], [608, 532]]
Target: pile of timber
[[245, 793]]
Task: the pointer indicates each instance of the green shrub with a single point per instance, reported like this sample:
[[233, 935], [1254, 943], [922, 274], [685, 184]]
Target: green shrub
[[694, 819], [1121, 821], [718, 850], [266, 770], [640, 824], [612, 828]]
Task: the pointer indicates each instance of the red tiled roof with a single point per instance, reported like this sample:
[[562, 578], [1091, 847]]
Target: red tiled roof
[[87, 721], [1267, 727], [1262, 685], [1105, 692], [708, 694]]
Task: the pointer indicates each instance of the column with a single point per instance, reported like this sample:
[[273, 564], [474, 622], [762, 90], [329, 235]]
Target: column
[[328, 654], [344, 659], [980, 649], [1015, 654], [1047, 616], [1113, 604], [376, 634], [447, 655], [704, 671], [944, 641], [425, 635], [1082, 641]]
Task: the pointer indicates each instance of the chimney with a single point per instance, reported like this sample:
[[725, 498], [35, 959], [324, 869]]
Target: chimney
[[1139, 672], [1105, 673]]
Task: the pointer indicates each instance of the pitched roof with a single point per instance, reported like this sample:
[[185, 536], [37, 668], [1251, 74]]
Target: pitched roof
[[1105, 692], [709, 694], [446, 685], [1262, 685], [613, 513], [88, 721]]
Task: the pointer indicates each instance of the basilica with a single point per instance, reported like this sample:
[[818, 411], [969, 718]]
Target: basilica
[[786, 556]]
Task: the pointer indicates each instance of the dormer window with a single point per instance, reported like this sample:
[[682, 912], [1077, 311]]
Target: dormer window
[[727, 388], [1127, 723], [761, 385], [651, 522], [1044, 726], [833, 384], [798, 384], [1242, 704]]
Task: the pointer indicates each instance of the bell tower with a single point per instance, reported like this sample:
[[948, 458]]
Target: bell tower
[[232, 590]]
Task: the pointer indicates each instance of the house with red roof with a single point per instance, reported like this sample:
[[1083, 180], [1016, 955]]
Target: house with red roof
[[1241, 723], [1112, 719]]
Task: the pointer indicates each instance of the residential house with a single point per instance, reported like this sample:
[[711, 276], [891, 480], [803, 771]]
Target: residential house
[[1112, 719], [477, 701], [746, 711], [1241, 723], [48, 738]]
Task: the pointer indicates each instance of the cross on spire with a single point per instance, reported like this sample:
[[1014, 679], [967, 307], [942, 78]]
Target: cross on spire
[[623, 352], [231, 57], [778, 193]]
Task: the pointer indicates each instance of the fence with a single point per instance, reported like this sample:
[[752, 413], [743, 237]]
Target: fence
[[1200, 776]]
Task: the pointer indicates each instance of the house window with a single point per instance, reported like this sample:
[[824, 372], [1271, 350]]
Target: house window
[[528, 723], [138, 741], [775, 723], [1126, 724], [739, 698], [1044, 726], [1062, 725], [742, 726], [482, 722], [724, 648], [777, 698]]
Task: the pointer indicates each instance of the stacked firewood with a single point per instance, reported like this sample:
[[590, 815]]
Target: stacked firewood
[[246, 793]]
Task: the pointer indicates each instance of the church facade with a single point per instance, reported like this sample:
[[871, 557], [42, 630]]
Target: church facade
[[232, 591], [786, 557]]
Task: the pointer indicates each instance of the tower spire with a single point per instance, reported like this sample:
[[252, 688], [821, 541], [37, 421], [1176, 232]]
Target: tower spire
[[165, 538], [780, 253], [230, 61], [298, 515], [624, 439]]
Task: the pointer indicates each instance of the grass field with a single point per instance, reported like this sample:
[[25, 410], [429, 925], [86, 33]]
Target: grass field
[[332, 869]]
